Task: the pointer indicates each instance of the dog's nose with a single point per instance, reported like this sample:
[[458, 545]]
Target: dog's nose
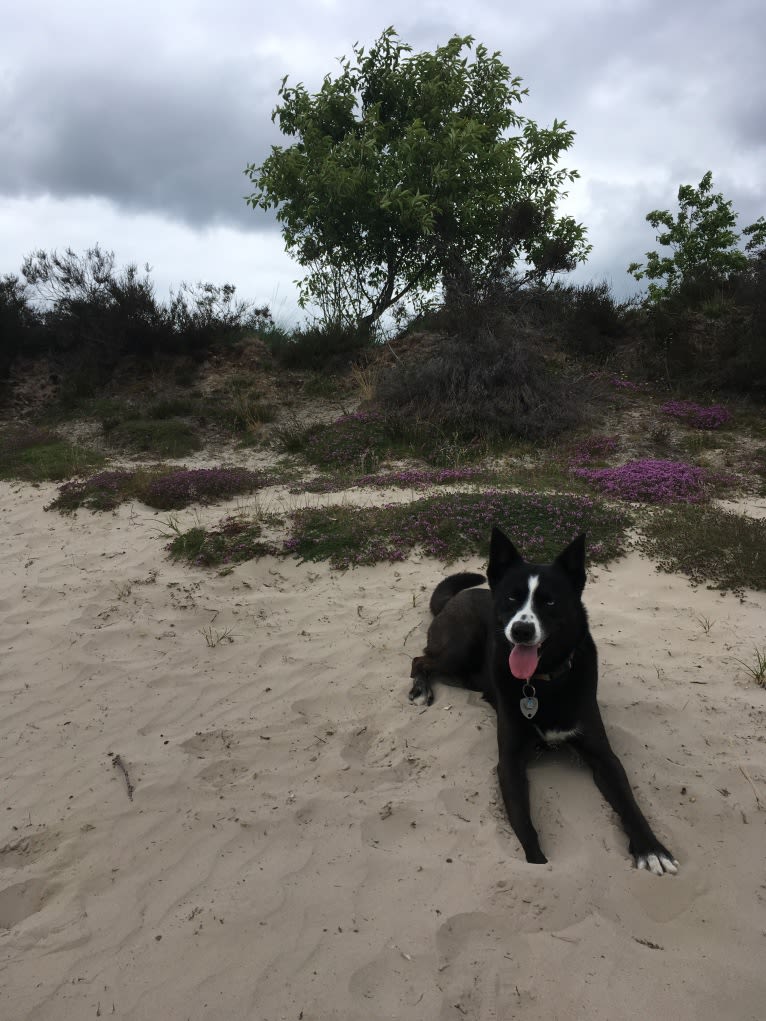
[[522, 631]]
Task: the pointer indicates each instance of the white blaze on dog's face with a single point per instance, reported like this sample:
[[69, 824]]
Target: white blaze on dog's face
[[527, 615]]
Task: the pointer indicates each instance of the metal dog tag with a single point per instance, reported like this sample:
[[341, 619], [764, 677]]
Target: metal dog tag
[[529, 706]]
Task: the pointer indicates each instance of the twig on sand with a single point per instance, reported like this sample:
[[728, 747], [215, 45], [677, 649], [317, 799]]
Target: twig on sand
[[648, 943], [744, 772], [118, 763]]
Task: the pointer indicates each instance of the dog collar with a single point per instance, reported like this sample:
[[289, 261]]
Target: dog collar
[[558, 672]]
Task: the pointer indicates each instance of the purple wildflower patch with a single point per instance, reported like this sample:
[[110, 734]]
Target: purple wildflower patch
[[103, 491], [653, 481], [699, 416], [452, 526], [200, 485]]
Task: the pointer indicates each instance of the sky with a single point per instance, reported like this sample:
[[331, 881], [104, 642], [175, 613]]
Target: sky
[[131, 125]]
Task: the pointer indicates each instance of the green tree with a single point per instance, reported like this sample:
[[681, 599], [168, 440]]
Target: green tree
[[404, 173], [703, 242]]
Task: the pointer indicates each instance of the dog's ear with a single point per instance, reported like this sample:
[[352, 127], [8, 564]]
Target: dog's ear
[[572, 562], [502, 555]]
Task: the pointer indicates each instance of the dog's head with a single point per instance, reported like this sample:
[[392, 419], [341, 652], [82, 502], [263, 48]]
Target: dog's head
[[538, 608]]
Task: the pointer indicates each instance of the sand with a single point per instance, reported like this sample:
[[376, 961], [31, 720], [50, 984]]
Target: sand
[[265, 828]]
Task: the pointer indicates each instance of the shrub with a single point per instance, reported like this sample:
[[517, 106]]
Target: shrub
[[490, 385], [19, 322], [319, 348], [96, 314]]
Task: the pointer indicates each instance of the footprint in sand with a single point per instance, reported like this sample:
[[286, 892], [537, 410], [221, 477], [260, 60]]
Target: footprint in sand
[[27, 849], [21, 900]]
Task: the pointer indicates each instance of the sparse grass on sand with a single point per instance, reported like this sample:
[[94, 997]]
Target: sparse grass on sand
[[40, 455], [709, 545]]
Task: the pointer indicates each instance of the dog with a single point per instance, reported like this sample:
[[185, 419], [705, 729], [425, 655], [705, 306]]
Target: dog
[[525, 644]]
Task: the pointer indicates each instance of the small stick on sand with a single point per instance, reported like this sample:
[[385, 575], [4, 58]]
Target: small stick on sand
[[746, 775], [119, 764]]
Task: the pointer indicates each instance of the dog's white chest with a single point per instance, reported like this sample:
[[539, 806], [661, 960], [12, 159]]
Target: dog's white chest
[[557, 736]]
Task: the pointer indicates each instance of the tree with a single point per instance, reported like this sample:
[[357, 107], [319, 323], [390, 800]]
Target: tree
[[404, 174], [703, 241]]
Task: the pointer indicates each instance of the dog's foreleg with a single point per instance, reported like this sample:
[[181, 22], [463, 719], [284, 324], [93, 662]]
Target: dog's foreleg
[[514, 785], [611, 779]]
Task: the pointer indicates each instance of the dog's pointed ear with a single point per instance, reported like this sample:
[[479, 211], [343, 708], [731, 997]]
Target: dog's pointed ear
[[502, 556], [572, 562]]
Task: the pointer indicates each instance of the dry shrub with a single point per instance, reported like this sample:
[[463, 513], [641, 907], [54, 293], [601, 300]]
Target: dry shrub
[[493, 383]]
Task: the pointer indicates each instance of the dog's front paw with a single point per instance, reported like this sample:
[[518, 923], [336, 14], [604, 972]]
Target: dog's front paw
[[421, 689], [654, 858]]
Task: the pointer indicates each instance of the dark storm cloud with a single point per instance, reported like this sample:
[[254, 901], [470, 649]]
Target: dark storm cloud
[[145, 142], [158, 108]]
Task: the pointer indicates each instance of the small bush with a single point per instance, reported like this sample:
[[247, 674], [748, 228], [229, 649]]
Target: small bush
[[318, 348], [486, 386], [654, 481]]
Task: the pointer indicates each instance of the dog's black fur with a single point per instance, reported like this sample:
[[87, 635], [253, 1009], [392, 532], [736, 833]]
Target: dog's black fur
[[468, 641]]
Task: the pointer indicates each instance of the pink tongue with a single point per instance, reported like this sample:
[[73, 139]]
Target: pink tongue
[[523, 661]]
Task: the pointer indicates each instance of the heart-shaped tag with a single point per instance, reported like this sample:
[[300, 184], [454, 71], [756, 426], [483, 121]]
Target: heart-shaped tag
[[528, 706]]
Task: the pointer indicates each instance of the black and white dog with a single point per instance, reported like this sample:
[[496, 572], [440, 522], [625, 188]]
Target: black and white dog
[[525, 644]]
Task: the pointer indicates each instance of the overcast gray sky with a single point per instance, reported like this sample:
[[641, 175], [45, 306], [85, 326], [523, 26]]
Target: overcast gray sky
[[130, 125]]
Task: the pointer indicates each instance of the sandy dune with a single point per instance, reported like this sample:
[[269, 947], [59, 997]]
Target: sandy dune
[[303, 843]]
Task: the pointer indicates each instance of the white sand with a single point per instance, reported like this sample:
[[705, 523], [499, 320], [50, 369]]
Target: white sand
[[303, 843]]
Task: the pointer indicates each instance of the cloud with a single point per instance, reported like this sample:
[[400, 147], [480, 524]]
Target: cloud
[[148, 114]]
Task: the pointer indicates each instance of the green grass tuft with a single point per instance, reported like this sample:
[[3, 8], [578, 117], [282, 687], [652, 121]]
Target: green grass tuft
[[234, 540]]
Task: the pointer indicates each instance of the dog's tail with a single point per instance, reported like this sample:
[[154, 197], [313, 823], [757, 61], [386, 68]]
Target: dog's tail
[[450, 587]]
